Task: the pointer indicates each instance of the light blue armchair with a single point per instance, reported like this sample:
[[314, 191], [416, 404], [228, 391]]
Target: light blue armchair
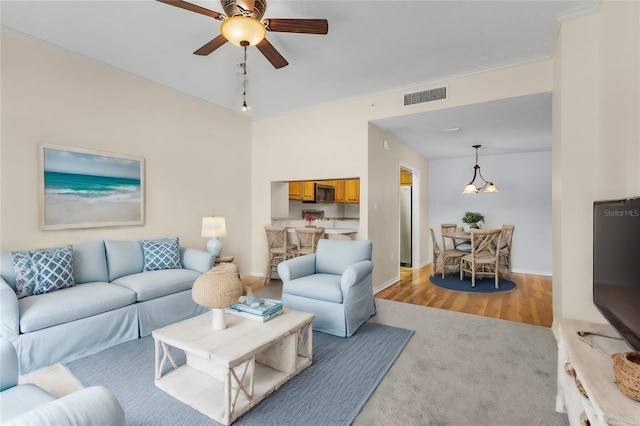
[[28, 404], [335, 284]]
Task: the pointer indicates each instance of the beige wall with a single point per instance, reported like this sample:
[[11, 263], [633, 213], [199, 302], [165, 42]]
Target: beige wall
[[198, 159], [334, 141], [384, 205], [596, 141]]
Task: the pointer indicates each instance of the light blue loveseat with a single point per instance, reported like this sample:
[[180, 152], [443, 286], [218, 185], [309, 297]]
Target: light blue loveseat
[[334, 283], [113, 301]]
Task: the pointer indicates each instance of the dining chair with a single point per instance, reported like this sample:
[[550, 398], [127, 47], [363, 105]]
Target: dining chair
[[484, 257], [279, 248], [452, 228], [450, 255], [308, 239], [505, 248], [435, 248]]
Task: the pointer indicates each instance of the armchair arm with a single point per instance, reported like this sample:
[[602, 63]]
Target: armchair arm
[[196, 260], [9, 312], [354, 273], [297, 267], [95, 405], [8, 365]]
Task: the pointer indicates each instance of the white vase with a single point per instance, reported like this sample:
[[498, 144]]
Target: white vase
[[467, 228]]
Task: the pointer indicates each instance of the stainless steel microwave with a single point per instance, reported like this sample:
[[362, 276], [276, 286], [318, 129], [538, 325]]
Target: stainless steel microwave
[[323, 194]]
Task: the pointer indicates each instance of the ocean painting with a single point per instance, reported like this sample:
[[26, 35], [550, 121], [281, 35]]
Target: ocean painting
[[84, 189]]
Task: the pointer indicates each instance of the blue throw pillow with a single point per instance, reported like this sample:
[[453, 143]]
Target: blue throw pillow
[[40, 272], [26, 273], [161, 254]]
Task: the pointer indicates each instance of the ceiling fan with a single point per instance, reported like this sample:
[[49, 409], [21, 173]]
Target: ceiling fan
[[242, 25]]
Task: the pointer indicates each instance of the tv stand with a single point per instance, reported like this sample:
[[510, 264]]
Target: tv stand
[[604, 403]]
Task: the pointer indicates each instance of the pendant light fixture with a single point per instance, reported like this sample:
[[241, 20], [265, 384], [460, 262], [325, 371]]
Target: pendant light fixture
[[471, 187]]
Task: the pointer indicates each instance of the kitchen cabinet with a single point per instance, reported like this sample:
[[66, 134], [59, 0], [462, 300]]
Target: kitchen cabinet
[[295, 190], [352, 191], [347, 191], [406, 177], [308, 191], [340, 191]]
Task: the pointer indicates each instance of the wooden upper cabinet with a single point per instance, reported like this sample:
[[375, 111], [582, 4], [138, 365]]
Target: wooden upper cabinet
[[352, 191], [340, 195], [308, 191], [295, 190], [346, 190], [406, 177]]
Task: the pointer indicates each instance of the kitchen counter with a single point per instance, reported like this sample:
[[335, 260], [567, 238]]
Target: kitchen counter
[[332, 233]]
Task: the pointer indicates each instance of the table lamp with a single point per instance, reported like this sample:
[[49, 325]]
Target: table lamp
[[214, 227]]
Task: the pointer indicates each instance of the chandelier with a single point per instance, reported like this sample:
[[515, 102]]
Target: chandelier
[[471, 187]]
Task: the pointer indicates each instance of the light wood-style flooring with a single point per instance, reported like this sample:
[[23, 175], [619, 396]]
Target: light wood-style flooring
[[530, 302]]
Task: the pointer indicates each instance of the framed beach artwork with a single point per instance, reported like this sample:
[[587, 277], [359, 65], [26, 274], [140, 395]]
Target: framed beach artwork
[[89, 189]]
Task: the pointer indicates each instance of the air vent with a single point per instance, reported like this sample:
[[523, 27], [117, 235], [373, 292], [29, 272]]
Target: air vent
[[425, 96]]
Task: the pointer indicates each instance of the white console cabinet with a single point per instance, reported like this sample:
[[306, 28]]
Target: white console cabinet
[[605, 403]]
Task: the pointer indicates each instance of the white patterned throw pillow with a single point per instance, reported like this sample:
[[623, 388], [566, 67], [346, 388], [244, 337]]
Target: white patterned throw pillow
[[161, 254], [40, 272]]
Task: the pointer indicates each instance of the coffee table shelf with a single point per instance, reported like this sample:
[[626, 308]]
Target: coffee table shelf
[[227, 372]]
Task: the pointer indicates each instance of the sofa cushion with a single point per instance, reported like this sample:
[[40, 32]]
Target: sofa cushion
[[317, 286], [123, 258], [152, 284], [40, 272], [90, 262], [69, 304], [162, 254]]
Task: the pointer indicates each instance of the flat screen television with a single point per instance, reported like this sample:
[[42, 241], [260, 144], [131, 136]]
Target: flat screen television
[[616, 265]]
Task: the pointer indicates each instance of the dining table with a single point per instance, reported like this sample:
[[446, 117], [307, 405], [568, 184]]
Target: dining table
[[461, 240]]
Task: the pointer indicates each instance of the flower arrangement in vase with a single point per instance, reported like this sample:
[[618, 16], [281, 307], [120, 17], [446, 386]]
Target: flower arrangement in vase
[[309, 219]]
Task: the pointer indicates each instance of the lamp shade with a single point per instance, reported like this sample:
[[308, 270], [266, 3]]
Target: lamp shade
[[214, 227], [243, 31]]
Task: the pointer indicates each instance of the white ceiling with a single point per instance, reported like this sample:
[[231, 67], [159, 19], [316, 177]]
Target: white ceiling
[[372, 47]]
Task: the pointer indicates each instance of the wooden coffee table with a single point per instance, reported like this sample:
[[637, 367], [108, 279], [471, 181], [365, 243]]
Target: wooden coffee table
[[227, 372]]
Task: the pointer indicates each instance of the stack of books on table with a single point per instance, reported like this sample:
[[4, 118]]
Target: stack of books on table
[[256, 309]]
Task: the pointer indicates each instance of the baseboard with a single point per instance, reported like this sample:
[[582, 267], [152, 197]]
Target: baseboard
[[531, 272], [379, 288]]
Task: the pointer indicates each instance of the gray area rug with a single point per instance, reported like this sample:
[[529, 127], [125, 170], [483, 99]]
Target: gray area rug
[[462, 369], [331, 391]]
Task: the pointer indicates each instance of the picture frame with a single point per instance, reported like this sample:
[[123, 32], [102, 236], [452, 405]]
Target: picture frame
[[82, 188]]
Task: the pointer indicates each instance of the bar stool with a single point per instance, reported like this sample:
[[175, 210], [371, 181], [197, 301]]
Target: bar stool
[[308, 239], [279, 248]]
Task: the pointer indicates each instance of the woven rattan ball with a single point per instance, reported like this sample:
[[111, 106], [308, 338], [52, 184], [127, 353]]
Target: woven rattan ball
[[217, 289], [229, 267]]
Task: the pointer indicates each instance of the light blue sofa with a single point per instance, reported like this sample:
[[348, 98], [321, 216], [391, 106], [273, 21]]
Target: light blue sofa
[[112, 302], [334, 283], [27, 404]]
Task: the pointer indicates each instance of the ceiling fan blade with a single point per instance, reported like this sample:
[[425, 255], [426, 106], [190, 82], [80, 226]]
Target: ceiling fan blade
[[211, 46], [272, 55], [301, 26], [193, 8]]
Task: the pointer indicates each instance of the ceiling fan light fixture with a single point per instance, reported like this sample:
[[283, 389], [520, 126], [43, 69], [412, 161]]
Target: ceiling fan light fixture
[[241, 30]]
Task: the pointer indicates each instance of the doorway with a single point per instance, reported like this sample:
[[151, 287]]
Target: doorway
[[406, 217]]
